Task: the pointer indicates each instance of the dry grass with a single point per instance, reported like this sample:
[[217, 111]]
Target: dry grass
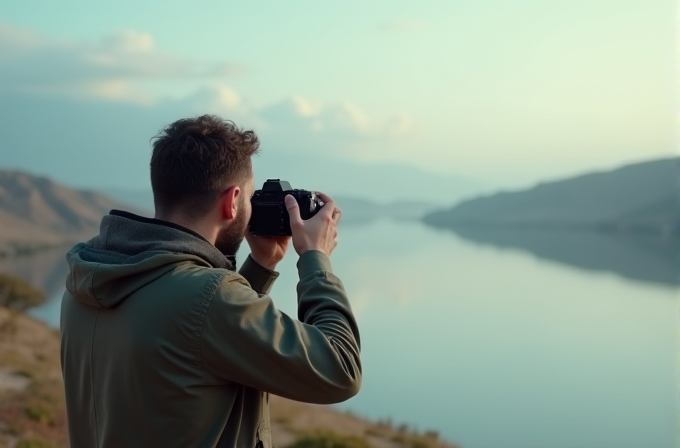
[[291, 420], [32, 415]]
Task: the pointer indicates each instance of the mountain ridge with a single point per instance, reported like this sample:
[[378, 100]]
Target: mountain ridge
[[37, 212], [641, 197]]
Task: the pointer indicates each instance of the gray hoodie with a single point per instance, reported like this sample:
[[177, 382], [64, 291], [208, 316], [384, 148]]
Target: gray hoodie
[[165, 345]]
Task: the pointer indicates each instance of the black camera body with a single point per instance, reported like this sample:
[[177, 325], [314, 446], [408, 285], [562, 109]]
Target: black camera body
[[270, 216]]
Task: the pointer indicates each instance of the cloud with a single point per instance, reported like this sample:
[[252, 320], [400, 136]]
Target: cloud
[[124, 64], [314, 116], [402, 125], [129, 41], [405, 25], [301, 125], [111, 69], [219, 98], [103, 143], [298, 114]]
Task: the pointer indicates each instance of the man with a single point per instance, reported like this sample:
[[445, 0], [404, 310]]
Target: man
[[164, 344]]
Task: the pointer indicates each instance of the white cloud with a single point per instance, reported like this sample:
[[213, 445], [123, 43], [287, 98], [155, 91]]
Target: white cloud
[[111, 69], [216, 97], [402, 125], [342, 125], [125, 63], [301, 113], [129, 41], [113, 90], [303, 125], [305, 108], [346, 115]]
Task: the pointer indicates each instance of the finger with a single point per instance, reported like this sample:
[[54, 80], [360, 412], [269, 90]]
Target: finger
[[293, 209], [337, 214], [325, 198], [329, 206]]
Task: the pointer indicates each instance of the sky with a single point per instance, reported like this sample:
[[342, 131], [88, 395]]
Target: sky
[[458, 95]]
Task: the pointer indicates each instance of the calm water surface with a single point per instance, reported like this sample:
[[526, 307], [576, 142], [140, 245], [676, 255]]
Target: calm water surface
[[493, 347]]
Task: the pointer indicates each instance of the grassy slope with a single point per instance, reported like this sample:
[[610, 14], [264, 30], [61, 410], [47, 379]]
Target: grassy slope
[[32, 399]]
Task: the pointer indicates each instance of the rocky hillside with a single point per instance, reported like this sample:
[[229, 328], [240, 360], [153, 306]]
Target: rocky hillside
[[639, 198], [37, 212]]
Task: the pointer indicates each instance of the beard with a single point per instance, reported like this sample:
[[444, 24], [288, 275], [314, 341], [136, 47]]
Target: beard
[[230, 238]]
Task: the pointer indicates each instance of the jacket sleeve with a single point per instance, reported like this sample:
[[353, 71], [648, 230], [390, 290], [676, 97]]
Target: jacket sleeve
[[260, 278], [315, 359]]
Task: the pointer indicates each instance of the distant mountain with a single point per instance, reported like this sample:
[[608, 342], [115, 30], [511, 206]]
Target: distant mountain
[[354, 209], [37, 212], [639, 198]]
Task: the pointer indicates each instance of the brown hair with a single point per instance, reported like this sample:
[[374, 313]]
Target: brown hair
[[195, 159]]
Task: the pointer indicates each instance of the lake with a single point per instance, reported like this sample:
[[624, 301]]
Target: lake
[[498, 340]]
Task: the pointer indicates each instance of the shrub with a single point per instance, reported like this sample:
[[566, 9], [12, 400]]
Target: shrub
[[432, 434], [17, 295], [415, 441], [39, 413], [329, 439], [34, 442]]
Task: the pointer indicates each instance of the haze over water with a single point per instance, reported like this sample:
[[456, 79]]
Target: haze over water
[[494, 348]]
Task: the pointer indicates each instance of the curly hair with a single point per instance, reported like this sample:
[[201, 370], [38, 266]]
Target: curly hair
[[195, 159]]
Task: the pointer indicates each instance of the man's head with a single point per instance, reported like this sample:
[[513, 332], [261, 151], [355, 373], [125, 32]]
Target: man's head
[[201, 170]]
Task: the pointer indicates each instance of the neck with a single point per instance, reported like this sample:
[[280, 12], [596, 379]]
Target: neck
[[203, 228]]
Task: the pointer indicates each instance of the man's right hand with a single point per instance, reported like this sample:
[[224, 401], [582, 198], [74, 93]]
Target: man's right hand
[[317, 233]]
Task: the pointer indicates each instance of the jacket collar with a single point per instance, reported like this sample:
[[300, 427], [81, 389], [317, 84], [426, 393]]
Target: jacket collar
[[193, 241]]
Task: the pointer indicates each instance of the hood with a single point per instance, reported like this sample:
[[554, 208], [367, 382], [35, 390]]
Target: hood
[[129, 253]]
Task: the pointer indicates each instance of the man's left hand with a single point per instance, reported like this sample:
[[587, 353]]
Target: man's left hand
[[267, 251]]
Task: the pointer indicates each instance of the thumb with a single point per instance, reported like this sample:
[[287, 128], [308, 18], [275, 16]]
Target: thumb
[[293, 208]]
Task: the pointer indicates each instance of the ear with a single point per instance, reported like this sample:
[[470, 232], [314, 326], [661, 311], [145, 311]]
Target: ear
[[229, 202]]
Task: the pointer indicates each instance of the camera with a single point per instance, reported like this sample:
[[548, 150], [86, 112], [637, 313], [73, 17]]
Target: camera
[[270, 216]]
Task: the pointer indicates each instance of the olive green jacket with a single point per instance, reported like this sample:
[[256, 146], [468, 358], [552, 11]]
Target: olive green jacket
[[165, 345]]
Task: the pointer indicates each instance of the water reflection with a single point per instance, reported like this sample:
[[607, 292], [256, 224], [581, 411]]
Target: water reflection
[[638, 257], [497, 348]]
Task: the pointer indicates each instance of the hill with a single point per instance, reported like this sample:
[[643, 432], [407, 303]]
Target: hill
[[37, 212], [638, 198]]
